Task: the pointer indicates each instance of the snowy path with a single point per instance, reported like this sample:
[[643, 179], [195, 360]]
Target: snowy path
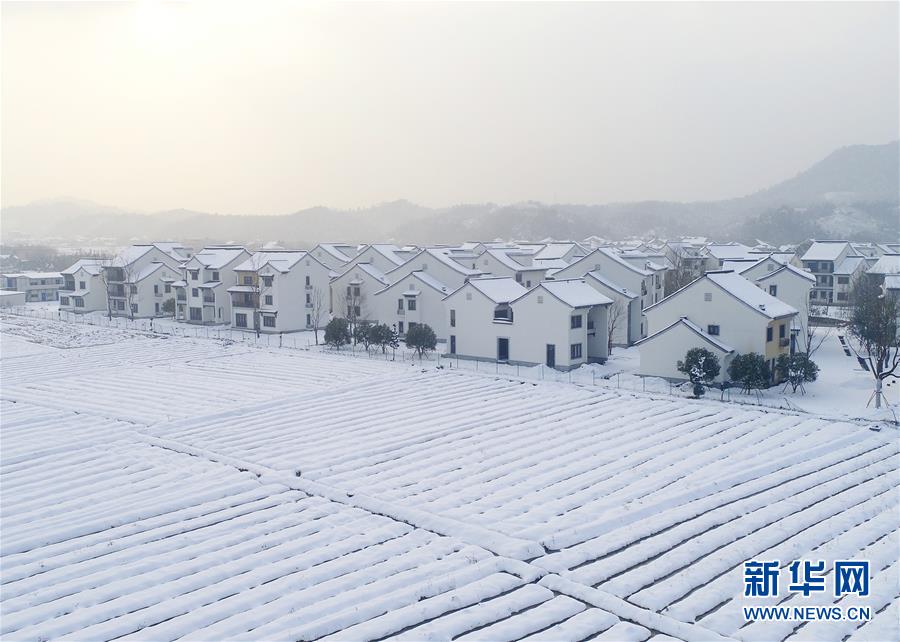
[[159, 489]]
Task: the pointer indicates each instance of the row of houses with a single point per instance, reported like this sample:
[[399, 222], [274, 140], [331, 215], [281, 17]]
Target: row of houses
[[562, 304]]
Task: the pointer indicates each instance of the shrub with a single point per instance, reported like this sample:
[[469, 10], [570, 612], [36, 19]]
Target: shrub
[[421, 338], [750, 370], [701, 366], [337, 333], [796, 369]]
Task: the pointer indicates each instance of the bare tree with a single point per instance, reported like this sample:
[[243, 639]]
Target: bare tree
[[679, 275], [614, 316], [872, 332], [353, 303], [319, 311], [814, 336]]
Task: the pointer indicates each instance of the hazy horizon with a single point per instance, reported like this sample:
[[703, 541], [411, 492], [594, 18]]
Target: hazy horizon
[[245, 109]]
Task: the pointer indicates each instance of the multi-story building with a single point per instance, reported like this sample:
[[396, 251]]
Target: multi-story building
[[83, 289], [37, 286], [280, 291], [138, 279], [833, 263], [201, 295]]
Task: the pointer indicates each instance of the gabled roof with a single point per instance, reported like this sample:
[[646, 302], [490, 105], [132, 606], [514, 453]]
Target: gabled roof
[[388, 251], [499, 289], [825, 250], [574, 292], [612, 254], [727, 250], [369, 269], [281, 260], [557, 250], [35, 275], [693, 327], [849, 265], [216, 258], [790, 268], [91, 266], [132, 253], [147, 271], [444, 257], [886, 264], [742, 290], [424, 278], [507, 260], [343, 252], [600, 278]]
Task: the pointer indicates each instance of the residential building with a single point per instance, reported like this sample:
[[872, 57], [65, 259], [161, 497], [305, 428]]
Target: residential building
[[280, 291], [37, 286], [137, 278], [335, 255], [10, 298], [83, 289], [845, 275], [624, 313], [503, 262], [824, 260], [791, 285], [411, 300], [726, 309], [353, 291], [565, 251], [558, 323], [202, 292]]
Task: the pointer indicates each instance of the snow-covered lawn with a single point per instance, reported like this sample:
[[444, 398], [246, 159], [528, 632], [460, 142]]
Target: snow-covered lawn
[[159, 488]]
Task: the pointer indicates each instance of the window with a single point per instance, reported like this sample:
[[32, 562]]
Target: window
[[768, 334], [540, 299], [575, 351], [770, 267], [155, 288], [120, 305], [349, 291], [195, 292], [196, 314], [134, 308], [712, 329], [781, 331], [773, 290], [308, 298], [307, 281], [168, 288], [518, 276], [356, 311], [268, 299], [527, 284], [133, 289], [308, 321], [707, 296], [400, 327], [843, 280], [575, 321], [842, 296], [157, 308], [64, 300], [356, 290], [215, 276], [468, 296], [194, 274], [81, 285], [267, 281], [269, 321], [452, 318], [400, 304], [240, 320], [79, 302], [411, 305], [248, 280]]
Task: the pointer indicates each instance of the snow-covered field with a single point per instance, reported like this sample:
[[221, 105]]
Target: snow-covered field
[[161, 488]]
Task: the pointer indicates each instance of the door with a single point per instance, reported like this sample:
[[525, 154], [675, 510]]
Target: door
[[452, 344], [502, 349], [551, 355]]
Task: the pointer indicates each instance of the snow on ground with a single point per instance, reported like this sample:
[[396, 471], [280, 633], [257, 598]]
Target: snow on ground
[[160, 488]]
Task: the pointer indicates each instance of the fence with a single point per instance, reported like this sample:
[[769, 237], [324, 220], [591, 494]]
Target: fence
[[585, 376]]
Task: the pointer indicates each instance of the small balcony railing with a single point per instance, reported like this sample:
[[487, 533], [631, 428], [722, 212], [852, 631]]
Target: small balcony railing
[[68, 286], [209, 299], [784, 342], [181, 297], [401, 312]]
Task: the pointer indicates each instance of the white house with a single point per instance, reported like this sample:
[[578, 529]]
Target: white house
[[383, 256], [566, 251], [10, 298], [353, 290], [824, 260], [202, 292], [83, 289], [37, 286], [413, 299], [845, 275], [280, 291], [625, 306], [661, 351], [726, 307], [558, 323], [138, 277], [335, 255], [503, 263], [791, 285]]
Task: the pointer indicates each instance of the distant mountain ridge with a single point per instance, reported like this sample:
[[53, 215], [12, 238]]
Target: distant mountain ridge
[[853, 192]]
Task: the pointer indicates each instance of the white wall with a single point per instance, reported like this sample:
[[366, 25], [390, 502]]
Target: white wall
[[659, 356]]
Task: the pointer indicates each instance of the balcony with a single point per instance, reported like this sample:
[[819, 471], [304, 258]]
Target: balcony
[[401, 312], [784, 342], [68, 286], [115, 275], [181, 297], [209, 299], [309, 286]]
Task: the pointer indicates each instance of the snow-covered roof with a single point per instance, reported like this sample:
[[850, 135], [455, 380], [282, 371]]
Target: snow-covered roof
[[146, 271], [390, 252], [892, 281], [91, 266], [601, 278], [693, 327], [507, 260], [825, 250], [886, 264], [35, 275], [849, 265], [557, 250], [747, 292], [575, 293], [499, 289], [723, 251], [741, 265], [369, 269], [242, 288], [615, 256], [282, 260], [179, 284], [216, 258], [341, 251], [443, 255], [789, 268], [421, 276]]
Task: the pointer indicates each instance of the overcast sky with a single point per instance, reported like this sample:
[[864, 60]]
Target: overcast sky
[[269, 108]]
